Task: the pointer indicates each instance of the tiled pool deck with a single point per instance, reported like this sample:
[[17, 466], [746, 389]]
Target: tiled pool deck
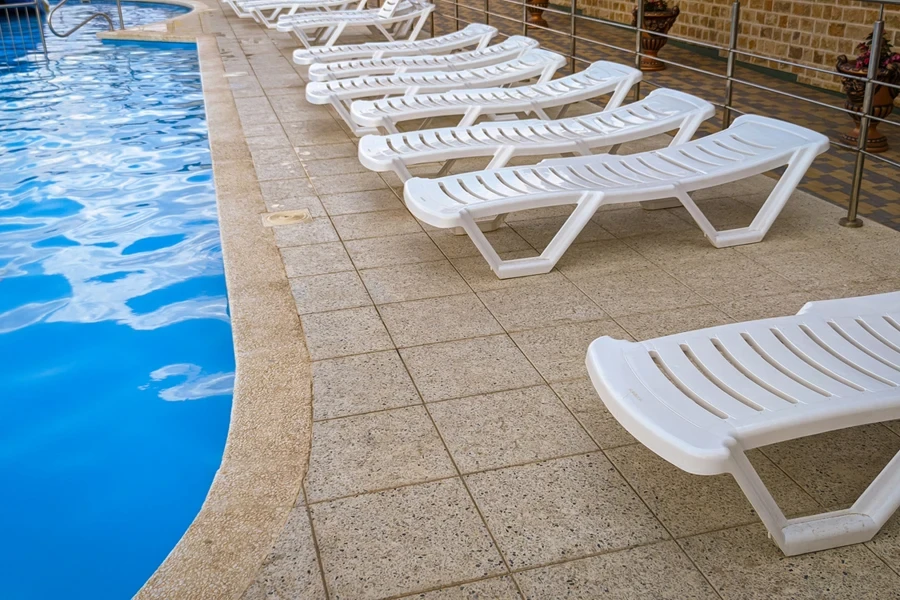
[[457, 448]]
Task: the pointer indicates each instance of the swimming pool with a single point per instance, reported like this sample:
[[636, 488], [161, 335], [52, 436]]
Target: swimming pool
[[116, 360]]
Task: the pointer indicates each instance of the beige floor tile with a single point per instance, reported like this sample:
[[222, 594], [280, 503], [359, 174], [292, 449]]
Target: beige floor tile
[[690, 504], [819, 267], [413, 282], [350, 182], [633, 221], [317, 259], [561, 509], [291, 194], [479, 276], [508, 428], [635, 292], [836, 467], [540, 304], [277, 140], [652, 325], [503, 240], [394, 250], [332, 291], [276, 163], [331, 166], [374, 451], [359, 384], [361, 202], [317, 231], [291, 570], [660, 571], [887, 543], [753, 308], [743, 564], [601, 258], [667, 248], [558, 352], [468, 367], [402, 541], [581, 398], [438, 320], [323, 151], [539, 232], [501, 588], [375, 224], [720, 280], [314, 133], [345, 332], [294, 107]]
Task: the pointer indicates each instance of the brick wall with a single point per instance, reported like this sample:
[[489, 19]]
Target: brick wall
[[808, 32]]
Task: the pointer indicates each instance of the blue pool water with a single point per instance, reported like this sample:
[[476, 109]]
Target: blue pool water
[[116, 359]]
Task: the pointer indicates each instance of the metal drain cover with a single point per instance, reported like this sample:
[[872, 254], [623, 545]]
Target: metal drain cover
[[287, 217]]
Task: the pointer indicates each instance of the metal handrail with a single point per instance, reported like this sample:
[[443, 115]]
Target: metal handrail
[[96, 15]]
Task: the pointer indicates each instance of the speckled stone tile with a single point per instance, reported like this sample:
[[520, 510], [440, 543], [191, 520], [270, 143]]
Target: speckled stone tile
[[394, 250], [727, 278], [323, 151], [317, 231], [276, 163], [349, 182], [634, 221], [743, 564], [508, 428], [468, 367], [459, 246], [680, 246], [480, 278], [375, 224], [691, 504], [332, 291], [652, 325], [635, 292], [601, 258], [581, 398], [291, 194], [886, 543], [374, 451], [540, 304], [317, 259], [561, 509], [359, 384], [291, 570], [345, 332], [819, 267], [539, 232], [332, 166], [559, 352], [836, 467], [416, 281], [403, 541], [362, 202], [314, 133], [438, 320], [500, 588], [659, 571]]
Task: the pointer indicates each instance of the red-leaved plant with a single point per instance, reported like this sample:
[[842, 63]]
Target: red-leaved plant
[[655, 6], [864, 50]]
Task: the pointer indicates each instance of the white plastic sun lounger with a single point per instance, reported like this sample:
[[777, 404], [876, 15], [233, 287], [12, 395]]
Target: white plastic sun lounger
[[701, 399], [267, 12], [661, 111], [752, 145], [508, 49], [473, 34], [599, 78], [396, 19], [534, 63]]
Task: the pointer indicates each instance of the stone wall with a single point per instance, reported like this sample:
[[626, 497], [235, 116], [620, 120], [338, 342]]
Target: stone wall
[[808, 32]]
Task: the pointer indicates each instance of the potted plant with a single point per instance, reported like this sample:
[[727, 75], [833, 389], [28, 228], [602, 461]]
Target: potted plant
[[535, 10], [883, 101], [658, 18]]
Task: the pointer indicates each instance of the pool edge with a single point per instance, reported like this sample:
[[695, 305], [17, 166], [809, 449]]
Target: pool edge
[[267, 450]]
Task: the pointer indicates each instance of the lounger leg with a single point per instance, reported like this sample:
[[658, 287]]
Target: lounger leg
[[855, 525], [335, 35], [419, 25], [521, 267]]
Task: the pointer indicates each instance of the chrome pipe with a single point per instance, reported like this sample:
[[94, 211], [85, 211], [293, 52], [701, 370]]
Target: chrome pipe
[[729, 69], [98, 15], [638, 33]]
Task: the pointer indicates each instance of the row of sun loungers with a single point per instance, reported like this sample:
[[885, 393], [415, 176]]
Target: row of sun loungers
[[701, 399]]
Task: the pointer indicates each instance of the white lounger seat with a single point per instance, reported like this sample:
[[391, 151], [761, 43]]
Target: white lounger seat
[[702, 399], [396, 19], [267, 12], [508, 49], [752, 145], [661, 111], [599, 78], [474, 34], [534, 63]]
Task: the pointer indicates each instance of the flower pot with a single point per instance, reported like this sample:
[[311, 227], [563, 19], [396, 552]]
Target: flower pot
[[882, 105], [651, 44], [536, 12]]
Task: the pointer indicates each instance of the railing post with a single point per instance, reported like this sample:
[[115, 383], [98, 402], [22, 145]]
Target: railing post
[[486, 13], [121, 19], [732, 57], [851, 220], [639, 30], [456, 12], [572, 34], [524, 17]]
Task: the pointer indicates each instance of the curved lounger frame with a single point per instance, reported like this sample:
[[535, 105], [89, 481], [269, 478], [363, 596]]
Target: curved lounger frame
[[267, 12], [702, 399], [751, 146]]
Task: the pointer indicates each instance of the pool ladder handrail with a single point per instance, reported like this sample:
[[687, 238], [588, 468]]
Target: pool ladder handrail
[[96, 15]]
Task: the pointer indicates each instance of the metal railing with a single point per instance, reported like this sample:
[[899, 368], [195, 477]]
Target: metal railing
[[88, 19], [21, 33], [511, 18]]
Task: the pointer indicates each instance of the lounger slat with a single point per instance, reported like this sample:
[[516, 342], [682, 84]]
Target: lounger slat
[[852, 353], [864, 339], [886, 332]]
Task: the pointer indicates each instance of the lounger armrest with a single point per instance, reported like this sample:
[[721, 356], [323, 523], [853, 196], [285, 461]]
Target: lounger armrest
[[853, 307]]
